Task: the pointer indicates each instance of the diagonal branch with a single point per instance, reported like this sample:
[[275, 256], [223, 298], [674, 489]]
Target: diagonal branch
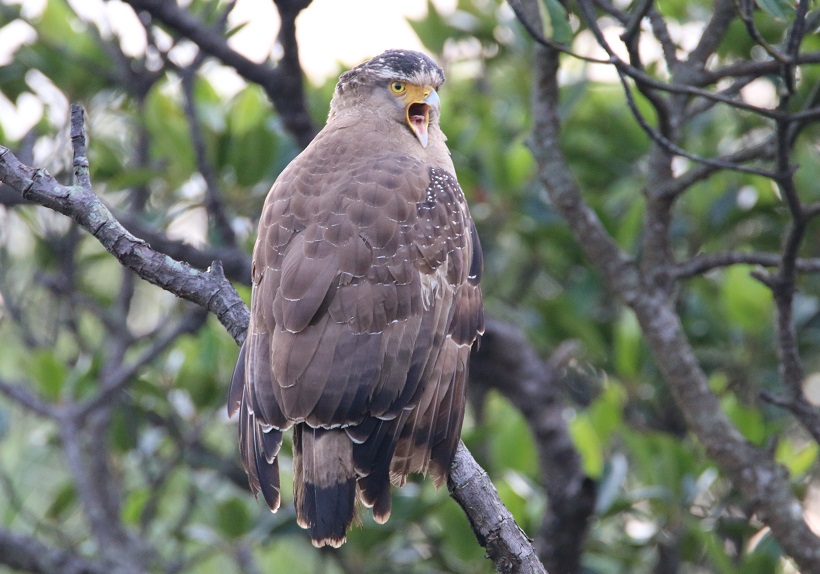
[[764, 483], [494, 526], [506, 544], [24, 397], [25, 553], [209, 289], [284, 88]]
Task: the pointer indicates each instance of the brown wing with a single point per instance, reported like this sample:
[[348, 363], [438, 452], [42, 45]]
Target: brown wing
[[365, 304]]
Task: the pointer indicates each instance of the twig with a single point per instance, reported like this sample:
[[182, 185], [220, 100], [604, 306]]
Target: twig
[[114, 381], [678, 185], [762, 482], [214, 204], [284, 91], [745, 9], [802, 409], [21, 395], [702, 263], [747, 68], [208, 289]]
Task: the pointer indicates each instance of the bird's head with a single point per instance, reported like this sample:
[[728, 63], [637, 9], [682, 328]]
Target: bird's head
[[398, 85]]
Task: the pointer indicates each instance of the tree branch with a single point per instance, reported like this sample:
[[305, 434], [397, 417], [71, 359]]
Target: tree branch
[[24, 397], [284, 88], [702, 263], [506, 361], [494, 526], [236, 263], [28, 554], [208, 289], [763, 483]]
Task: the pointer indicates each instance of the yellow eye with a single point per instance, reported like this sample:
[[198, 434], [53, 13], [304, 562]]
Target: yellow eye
[[398, 88]]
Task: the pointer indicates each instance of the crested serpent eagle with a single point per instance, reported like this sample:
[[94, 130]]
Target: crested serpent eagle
[[365, 304]]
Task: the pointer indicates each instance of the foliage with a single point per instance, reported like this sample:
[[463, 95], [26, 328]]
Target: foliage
[[70, 316]]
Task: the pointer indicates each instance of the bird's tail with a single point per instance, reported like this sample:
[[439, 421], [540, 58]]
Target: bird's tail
[[324, 483]]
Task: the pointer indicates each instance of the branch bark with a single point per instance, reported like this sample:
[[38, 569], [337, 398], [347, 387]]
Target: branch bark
[[506, 361], [763, 483], [28, 554], [494, 526], [209, 289], [284, 87]]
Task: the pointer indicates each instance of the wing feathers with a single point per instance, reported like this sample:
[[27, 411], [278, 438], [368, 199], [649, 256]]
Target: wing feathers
[[365, 304]]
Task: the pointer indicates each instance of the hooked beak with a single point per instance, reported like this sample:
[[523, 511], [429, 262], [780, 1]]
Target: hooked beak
[[418, 115]]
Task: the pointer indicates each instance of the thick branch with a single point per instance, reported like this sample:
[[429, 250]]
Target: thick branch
[[763, 482], [494, 526], [507, 362], [506, 544], [236, 263], [28, 554]]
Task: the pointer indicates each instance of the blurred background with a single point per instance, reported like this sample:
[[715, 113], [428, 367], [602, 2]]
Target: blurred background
[[183, 148]]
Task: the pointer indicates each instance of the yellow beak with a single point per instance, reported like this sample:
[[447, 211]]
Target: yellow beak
[[419, 102]]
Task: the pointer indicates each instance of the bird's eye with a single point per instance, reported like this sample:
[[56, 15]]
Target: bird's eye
[[397, 87]]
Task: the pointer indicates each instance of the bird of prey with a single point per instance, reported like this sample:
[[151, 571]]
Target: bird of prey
[[365, 304]]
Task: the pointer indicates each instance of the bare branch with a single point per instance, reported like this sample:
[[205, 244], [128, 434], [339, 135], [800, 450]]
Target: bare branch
[[678, 185], [114, 382], [25, 553], [208, 289], [236, 263], [507, 362], [702, 263], [713, 35], [506, 544], [752, 68], [214, 203], [22, 396], [764, 483], [284, 88]]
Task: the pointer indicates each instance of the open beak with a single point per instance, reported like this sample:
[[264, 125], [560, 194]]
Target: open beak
[[418, 114]]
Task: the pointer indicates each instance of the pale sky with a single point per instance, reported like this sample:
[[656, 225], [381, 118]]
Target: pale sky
[[329, 32]]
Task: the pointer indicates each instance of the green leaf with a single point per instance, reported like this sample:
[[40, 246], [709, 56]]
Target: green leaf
[[249, 110], [134, 504], [62, 502], [606, 413], [798, 459], [554, 21], [748, 420], [627, 344], [48, 372], [233, 517], [748, 303], [586, 440], [432, 30], [512, 443], [778, 9]]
